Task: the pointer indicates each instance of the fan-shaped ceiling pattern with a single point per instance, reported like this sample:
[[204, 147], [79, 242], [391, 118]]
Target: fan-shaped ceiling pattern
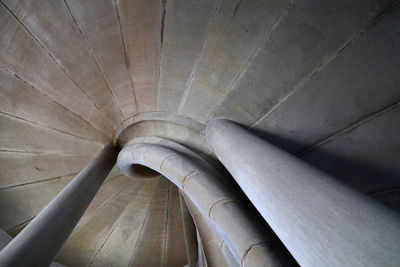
[[319, 79]]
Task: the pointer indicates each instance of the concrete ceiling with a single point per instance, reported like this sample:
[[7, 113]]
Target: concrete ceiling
[[319, 79]]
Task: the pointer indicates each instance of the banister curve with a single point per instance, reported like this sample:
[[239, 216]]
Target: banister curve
[[208, 193]]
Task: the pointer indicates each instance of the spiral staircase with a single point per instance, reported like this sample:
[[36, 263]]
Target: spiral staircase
[[319, 79]]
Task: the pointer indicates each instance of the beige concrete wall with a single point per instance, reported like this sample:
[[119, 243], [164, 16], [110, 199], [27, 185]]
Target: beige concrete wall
[[317, 79]]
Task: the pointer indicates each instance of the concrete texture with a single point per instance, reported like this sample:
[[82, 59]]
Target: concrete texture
[[23, 136], [22, 56], [88, 238], [307, 36], [319, 79], [350, 79], [186, 24], [210, 240], [99, 23], [175, 241], [26, 168], [229, 44], [23, 202], [374, 153], [5, 239], [204, 187], [141, 26], [39, 242], [63, 41], [20, 100], [288, 192], [117, 249], [189, 229]]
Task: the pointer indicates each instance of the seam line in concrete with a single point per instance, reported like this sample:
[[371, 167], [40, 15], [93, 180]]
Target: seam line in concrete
[[325, 63], [166, 225], [55, 102], [250, 59], [259, 244], [353, 126], [189, 81], [58, 63], [100, 207], [46, 153], [144, 221], [218, 203], [116, 223], [160, 49], [91, 53], [39, 181], [126, 57], [162, 162], [186, 178], [384, 192], [50, 128], [222, 244], [15, 226], [160, 52]]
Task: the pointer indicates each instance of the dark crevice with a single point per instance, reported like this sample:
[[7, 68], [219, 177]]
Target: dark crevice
[[126, 58], [50, 128], [349, 128], [236, 8], [383, 13], [62, 68], [384, 192], [122, 34], [317, 70], [18, 225], [91, 53], [39, 181], [58, 62], [164, 9]]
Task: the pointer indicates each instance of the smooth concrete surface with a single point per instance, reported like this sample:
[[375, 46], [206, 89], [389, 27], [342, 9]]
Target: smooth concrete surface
[[319, 79], [307, 36], [26, 168], [63, 41], [21, 203], [141, 26], [89, 237], [351, 79], [320, 220], [371, 168], [194, 177], [158, 116], [5, 239], [187, 19], [22, 54], [22, 136], [189, 229], [20, 100], [229, 45], [100, 26], [175, 240], [128, 222], [210, 242], [107, 192], [117, 249], [39, 243]]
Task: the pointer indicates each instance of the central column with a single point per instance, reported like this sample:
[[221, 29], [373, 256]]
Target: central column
[[320, 220], [40, 241]]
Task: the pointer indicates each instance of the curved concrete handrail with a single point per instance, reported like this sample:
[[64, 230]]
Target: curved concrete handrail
[[159, 116], [194, 177], [320, 220]]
